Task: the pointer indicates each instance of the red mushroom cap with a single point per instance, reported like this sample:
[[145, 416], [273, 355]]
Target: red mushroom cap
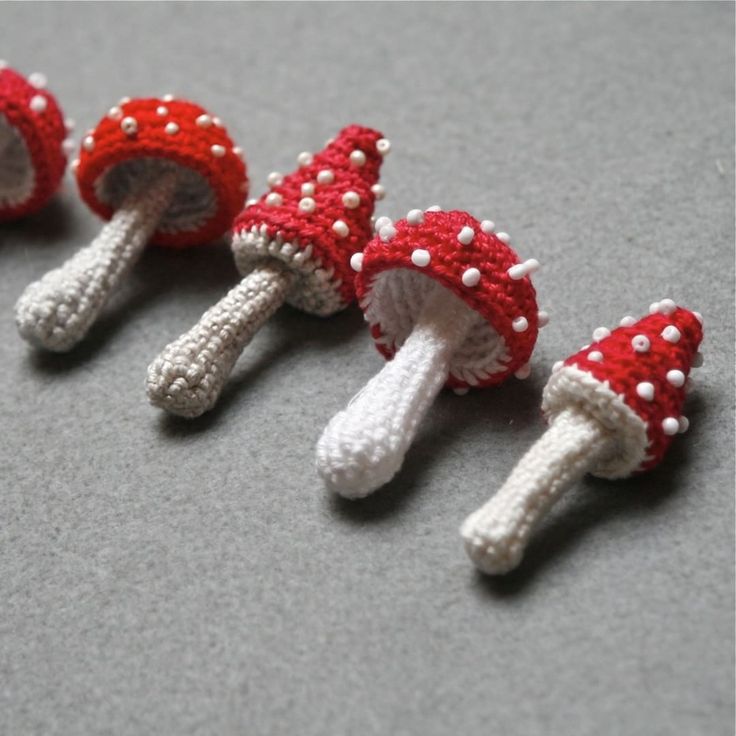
[[633, 381], [471, 261], [138, 137], [317, 216], [34, 116]]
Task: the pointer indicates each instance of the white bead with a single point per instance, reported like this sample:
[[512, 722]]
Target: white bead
[[415, 217], [67, 146], [171, 128], [542, 318], [357, 158], [216, 121], [524, 372], [308, 189], [596, 356], [129, 125], [488, 226], [684, 424], [74, 165], [204, 121], [381, 222], [519, 270], [238, 151], [676, 378], [698, 359], [670, 426], [520, 324], [161, 110], [37, 80], [340, 228], [471, 277], [645, 390], [466, 235], [69, 124], [325, 177], [387, 233], [124, 100], [274, 199], [356, 261], [275, 179], [351, 200], [3, 64], [420, 257], [304, 158], [504, 237], [115, 113], [434, 208], [251, 202], [88, 143], [640, 343], [383, 146], [218, 150], [671, 334], [168, 98], [654, 308], [627, 321], [557, 365], [667, 306], [307, 204], [601, 333], [379, 192], [698, 317], [461, 391], [38, 103]]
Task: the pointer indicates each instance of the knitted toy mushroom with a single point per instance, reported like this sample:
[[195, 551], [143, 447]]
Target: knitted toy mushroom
[[293, 245], [448, 303], [613, 409], [160, 170], [33, 143]]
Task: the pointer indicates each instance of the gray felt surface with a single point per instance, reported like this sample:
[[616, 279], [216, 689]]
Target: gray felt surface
[[174, 577]]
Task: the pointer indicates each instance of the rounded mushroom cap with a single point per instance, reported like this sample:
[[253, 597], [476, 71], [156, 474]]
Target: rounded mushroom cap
[[471, 261], [315, 218], [32, 144], [138, 139], [632, 380]]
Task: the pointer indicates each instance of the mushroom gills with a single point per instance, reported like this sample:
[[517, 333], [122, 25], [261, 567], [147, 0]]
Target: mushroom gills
[[57, 311], [17, 177], [364, 445]]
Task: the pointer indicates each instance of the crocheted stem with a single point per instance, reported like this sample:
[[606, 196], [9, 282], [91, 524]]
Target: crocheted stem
[[497, 534], [363, 447], [188, 376], [57, 311]]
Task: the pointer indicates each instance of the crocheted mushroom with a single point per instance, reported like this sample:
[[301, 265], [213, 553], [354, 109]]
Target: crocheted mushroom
[[293, 245], [162, 171], [613, 409], [33, 143], [448, 302]]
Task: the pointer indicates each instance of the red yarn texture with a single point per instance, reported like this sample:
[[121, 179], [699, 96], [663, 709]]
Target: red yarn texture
[[622, 368], [190, 147], [315, 228], [497, 297], [43, 133]]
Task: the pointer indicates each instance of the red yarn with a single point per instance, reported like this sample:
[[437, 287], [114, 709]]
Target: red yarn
[[191, 147], [316, 228], [497, 297], [623, 368], [43, 133]]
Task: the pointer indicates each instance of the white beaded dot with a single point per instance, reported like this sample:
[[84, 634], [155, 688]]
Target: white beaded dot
[[387, 233], [275, 179], [351, 200], [168, 98], [666, 306], [67, 146], [37, 80], [217, 150], [524, 372], [671, 334], [238, 151], [357, 158], [466, 235], [274, 199], [124, 100], [325, 177], [698, 317], [520, 324], [379, 192], [38, 103], [645, 390], [308, 189], [415, 217], [640, 343], [69, 124], [488, 226], [217, 122], [434, 208], [504, 237], [627, 321], [471, 277], [601, 333], [74, 165], [171, 128], [684, 424], [356, 261], [88, 143], [460, 391], [676, 378], [542, 318], [654, 308], [596, 356], [307, 205], [519, 270], [340, 228], [383, 146], [204, 121], [129, 125], [670, 426], [420, 257], [162, 110], [304, 158], [557, 365], [381, 222], [115, 113], [251, 202]]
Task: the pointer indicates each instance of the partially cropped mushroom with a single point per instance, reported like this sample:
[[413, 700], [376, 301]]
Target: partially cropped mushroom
[[448, 303], [33, 143], [293, 245], [162, 171], [613, 407]]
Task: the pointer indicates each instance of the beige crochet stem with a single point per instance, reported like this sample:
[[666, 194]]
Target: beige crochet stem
[[57, 311], [363, 447], [497, 534], [188, 376]]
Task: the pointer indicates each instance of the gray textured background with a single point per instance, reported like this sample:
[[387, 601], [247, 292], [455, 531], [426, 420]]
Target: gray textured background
[[173, 577]]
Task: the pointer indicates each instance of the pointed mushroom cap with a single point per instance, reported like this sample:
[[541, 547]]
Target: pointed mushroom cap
[[316, 238], [453, 249], [139, 138], [31, 167], [628, 390]]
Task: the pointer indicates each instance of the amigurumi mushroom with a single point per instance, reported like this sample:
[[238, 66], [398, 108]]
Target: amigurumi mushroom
[[293, 245], [162, 171], [33, 143], [448, 303], [613, 409]]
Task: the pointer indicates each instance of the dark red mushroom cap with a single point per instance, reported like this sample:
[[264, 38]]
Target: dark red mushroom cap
[[633, 381], [32, 135], [138, 138], [314, 218], [473, 262]]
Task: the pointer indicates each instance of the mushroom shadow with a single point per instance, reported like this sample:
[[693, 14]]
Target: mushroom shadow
[[45, 228]]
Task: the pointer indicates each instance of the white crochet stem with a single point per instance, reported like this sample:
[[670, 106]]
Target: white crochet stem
[[497, 534], [363, 447], [57, 311], [188, 376]]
